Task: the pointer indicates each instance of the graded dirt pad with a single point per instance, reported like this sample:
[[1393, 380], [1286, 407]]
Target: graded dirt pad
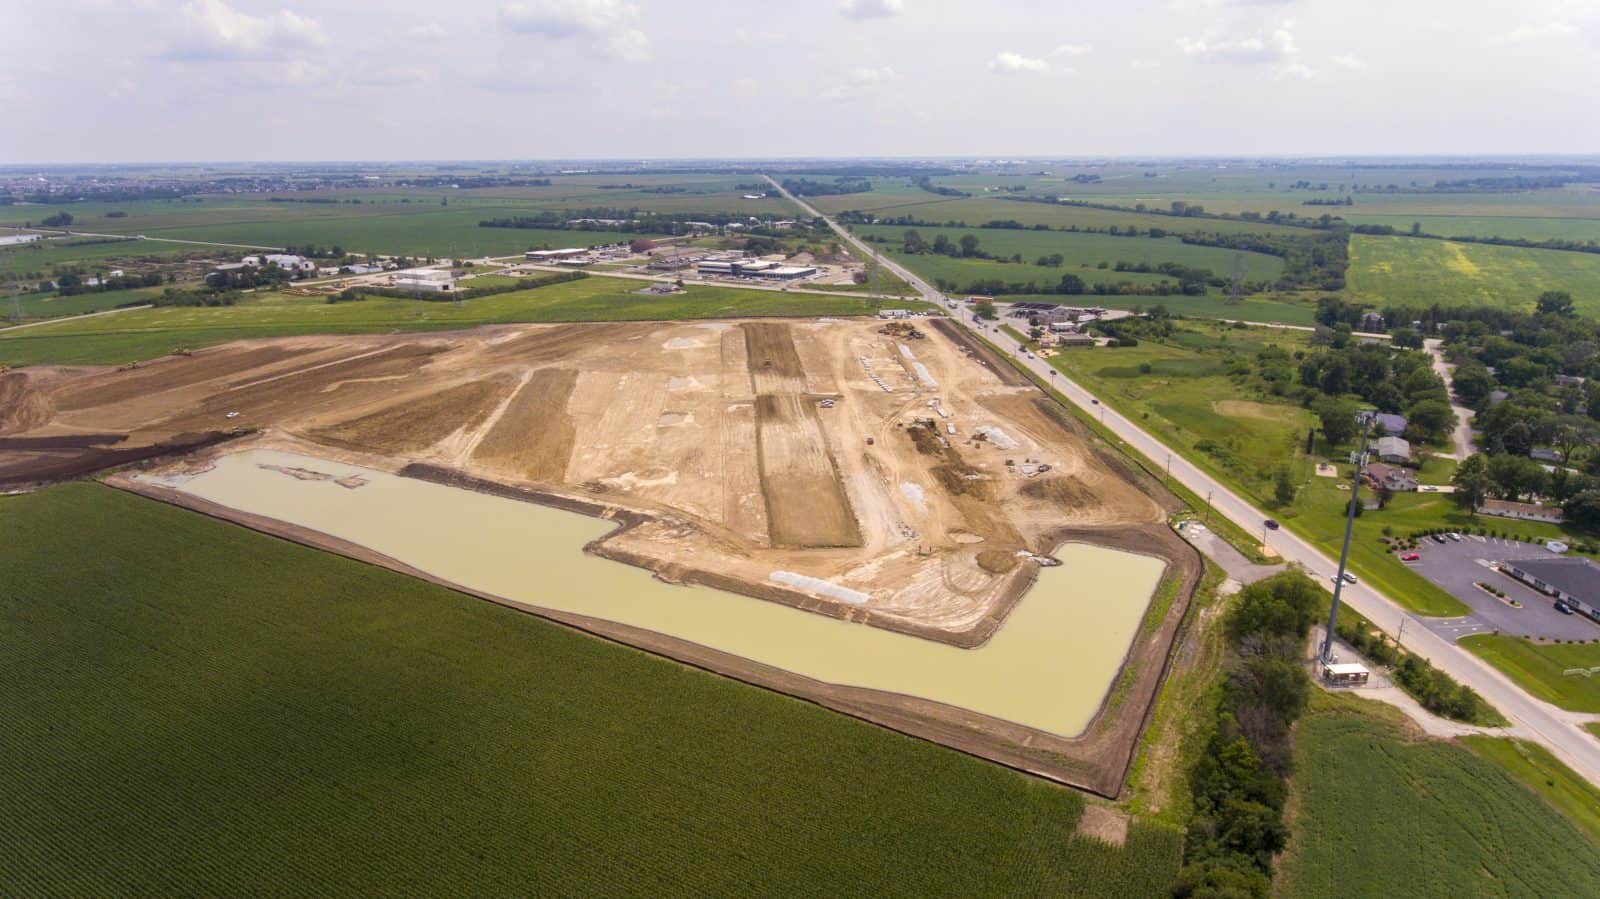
[[533, 437], [419, 421], [806, 505], [170, 373], [798, 460]]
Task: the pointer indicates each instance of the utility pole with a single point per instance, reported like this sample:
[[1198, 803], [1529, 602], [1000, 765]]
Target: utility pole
[[1359, 460], [1208, 506], [1236, 284]]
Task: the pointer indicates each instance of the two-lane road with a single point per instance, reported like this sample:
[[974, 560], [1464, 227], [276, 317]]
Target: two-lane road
[[1556, 729]]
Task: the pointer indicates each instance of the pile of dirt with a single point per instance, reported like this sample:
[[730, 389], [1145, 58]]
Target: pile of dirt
[[1063, 491], [997, 561]]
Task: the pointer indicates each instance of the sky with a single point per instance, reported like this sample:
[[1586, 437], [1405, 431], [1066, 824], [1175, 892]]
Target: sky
[[149, 81]]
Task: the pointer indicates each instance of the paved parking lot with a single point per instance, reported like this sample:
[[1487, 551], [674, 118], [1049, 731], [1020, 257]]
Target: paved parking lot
[[1455, 567]]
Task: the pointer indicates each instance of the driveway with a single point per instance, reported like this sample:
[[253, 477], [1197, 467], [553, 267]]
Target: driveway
[[1456, 567], [1461, 439]]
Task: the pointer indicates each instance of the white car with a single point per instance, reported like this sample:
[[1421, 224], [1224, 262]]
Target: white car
[[1348, 578]]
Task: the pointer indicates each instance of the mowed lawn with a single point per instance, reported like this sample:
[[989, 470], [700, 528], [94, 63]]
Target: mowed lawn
[[193, 708], [1380, 814], [1538, 668], [145, 333], [1180, 391], [1420, 272]]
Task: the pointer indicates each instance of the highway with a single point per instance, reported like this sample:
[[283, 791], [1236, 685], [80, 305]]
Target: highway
[[1558, 730]]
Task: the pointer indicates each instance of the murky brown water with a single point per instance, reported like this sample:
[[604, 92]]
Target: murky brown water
[[1048, 667]]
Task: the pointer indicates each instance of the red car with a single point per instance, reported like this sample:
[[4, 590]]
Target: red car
[[1410, 557]]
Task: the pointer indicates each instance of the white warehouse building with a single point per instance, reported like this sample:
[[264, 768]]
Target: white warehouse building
[[426, 280]]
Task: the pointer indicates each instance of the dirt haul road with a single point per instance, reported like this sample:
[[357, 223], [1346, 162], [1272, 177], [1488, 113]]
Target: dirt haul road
[[868, 471]]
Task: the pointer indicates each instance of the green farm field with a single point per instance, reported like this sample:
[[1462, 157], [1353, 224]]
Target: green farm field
[[48, 305], [194, 708], [1420, 272], [1080, 252], [1538, 667], [1542, 772], [1376, 808], [368, 228], [144, 333], [436, 222], [974, 211], [91, 254], [1512, 226]]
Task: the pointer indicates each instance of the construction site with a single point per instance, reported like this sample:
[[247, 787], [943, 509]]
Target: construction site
[[893, 474]]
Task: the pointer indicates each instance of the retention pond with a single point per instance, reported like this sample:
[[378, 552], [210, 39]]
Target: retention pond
[[1048, 667]]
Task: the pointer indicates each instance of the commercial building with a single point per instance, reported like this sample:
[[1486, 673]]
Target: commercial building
[[753, 268], [789, 272], [425, 281], [285, 261], [673, 259], [553, 255], [1575, 582]]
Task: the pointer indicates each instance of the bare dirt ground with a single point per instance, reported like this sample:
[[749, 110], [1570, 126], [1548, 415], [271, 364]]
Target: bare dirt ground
[[889, 466]]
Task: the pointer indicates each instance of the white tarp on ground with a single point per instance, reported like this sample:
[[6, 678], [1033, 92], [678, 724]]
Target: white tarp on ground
[[820, 587], [922, 370], [997, 437]]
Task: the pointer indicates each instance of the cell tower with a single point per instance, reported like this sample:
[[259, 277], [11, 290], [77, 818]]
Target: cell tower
[[1236, 285]]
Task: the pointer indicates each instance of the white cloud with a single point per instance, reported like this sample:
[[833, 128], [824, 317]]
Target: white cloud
[[1145, 65], [1006, 61], [1275, 48], [873, 74], [871, 9], [743, 87], [1539, 31], [1346, 61], [390, 76], [1072, 49], [211, 29], [632, 45], [611, 23], [427, 31]]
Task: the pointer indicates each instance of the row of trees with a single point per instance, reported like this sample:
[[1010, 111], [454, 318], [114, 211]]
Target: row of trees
[[1239, 783]]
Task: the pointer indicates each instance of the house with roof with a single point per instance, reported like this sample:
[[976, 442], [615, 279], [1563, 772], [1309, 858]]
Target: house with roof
[[1502, 508], [1394, 450], [1389, 477]]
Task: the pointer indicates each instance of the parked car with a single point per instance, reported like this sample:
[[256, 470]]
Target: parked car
[[1271, 524], [1454, 536], [1410, 557], [1563, 608], [1437, 538]]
